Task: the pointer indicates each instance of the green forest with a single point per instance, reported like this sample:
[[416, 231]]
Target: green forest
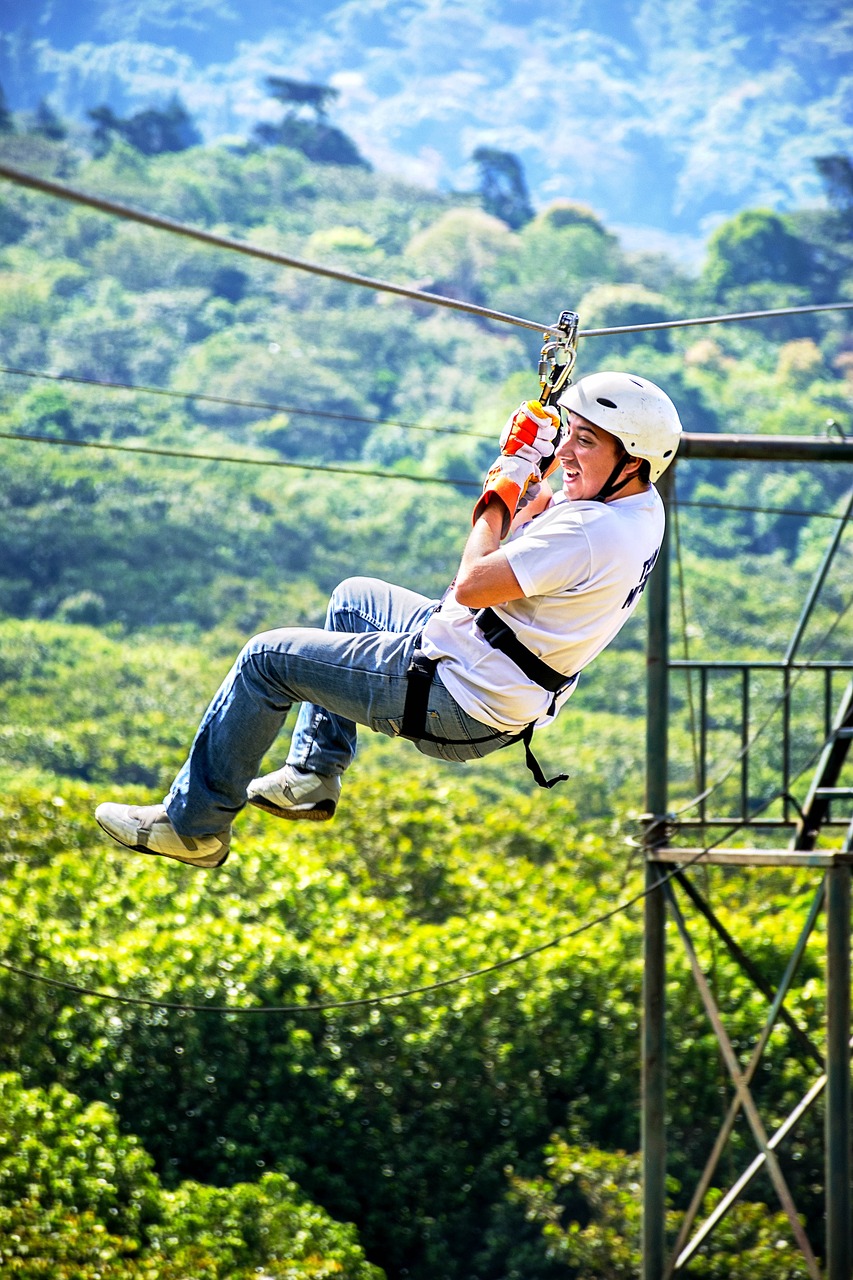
[[483, 1130]]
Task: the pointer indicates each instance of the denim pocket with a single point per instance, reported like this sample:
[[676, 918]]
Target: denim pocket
[[467, 738], [391, 728]]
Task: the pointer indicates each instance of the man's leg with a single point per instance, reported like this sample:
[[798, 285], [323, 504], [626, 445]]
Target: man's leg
[[322, 742], [362, 680], [356, 677]]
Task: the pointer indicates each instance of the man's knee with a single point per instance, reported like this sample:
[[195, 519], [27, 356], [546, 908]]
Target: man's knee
[[351, 594]]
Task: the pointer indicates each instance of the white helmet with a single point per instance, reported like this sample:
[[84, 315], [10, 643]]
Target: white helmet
[[634, 410]]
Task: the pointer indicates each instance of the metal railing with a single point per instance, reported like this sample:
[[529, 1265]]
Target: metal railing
[[758, 727]]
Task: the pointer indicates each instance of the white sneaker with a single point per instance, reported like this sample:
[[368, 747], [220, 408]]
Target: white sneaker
[[148, 830], [292, 793]]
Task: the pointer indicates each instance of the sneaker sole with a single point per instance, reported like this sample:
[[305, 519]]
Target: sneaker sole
[[322, 812], [155, 853]]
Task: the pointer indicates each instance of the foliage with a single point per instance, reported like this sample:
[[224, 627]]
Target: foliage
[[151, 131], [7, 121], [120, 302], [320, 142], [80, 1201], [298, 93], [367, 1108], [461, 252], [754, 247], [502, 186], [314, 137], [588, 1209]]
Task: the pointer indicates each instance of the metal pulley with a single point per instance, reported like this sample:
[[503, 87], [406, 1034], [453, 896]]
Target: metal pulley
[[556, 362], [558, 356]]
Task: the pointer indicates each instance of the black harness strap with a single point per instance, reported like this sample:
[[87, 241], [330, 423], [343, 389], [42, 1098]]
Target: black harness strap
[[419, 679], [534, 765], [420, 676], [500, 635], [420, 673]]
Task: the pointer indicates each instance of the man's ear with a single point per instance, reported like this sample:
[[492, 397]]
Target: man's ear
[[631, 468]]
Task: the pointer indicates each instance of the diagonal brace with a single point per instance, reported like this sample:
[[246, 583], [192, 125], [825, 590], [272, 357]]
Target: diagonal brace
[[758, 1163], [746, 1099], [750, 969], [678, 1257]]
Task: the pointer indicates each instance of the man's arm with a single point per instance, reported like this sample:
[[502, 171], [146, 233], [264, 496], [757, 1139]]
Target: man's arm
[[484, 576]]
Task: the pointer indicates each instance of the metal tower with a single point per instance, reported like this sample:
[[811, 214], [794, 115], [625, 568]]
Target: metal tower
[[668, 856]]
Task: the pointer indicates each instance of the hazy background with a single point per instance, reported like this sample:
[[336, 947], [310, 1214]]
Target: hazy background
[[665, 117]]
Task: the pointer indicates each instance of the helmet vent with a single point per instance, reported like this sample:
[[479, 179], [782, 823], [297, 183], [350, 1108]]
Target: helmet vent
[[668, 453], [608, 404]]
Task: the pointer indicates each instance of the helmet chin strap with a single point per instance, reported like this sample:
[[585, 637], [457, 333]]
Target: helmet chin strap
[[613, 484]]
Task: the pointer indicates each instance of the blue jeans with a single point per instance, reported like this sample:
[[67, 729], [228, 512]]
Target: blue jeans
[[352, 672]]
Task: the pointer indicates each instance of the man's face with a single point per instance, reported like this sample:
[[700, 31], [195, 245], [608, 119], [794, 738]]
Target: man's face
[[587, 455]]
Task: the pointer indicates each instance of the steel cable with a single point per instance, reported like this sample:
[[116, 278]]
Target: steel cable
[[63, 191]]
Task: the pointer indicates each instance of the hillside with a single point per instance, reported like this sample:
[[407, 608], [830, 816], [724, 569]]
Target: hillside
[[462, 1131]]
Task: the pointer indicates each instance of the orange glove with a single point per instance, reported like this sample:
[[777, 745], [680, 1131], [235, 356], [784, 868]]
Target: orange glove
[[508, 480], [531, 432]]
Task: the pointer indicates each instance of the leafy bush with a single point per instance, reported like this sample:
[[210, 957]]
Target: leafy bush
[[369, 1108], [80, 1201], [587, 1207]]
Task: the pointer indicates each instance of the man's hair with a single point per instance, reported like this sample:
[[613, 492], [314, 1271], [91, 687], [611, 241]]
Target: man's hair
[[645, 472]]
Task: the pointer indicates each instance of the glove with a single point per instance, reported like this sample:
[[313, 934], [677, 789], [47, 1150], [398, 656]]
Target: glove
[[509, 480], [531, 432]]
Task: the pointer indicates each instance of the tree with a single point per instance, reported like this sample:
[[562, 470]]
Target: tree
[[298, 93], [7, 124], [154, 131], [79, 1198], [836, 173], [502, 188], [588, 1210], [47, 123], [756, 247], [459, 253], [151, 131], [309, 133], [106, 123]]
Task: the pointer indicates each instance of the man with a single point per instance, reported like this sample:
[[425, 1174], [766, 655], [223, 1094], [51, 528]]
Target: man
[[463, 677]]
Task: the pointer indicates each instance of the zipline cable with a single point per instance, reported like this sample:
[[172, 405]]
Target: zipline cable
[[723, 319], [115, 208], [230, 401], [62, 191], [78, 379], [405, 993], [455, 979], [800, 513]]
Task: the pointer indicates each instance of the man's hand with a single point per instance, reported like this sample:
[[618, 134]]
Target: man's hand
[[507, 481], [531, 432]]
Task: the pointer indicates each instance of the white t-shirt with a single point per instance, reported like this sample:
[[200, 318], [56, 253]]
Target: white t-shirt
[[582, 567]]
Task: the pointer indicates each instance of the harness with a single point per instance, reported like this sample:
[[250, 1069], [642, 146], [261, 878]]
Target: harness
[[500, 636]]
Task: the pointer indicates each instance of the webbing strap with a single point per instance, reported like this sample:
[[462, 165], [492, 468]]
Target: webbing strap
[[501, 636], [534, 765], [420, 673], [419, 679]]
